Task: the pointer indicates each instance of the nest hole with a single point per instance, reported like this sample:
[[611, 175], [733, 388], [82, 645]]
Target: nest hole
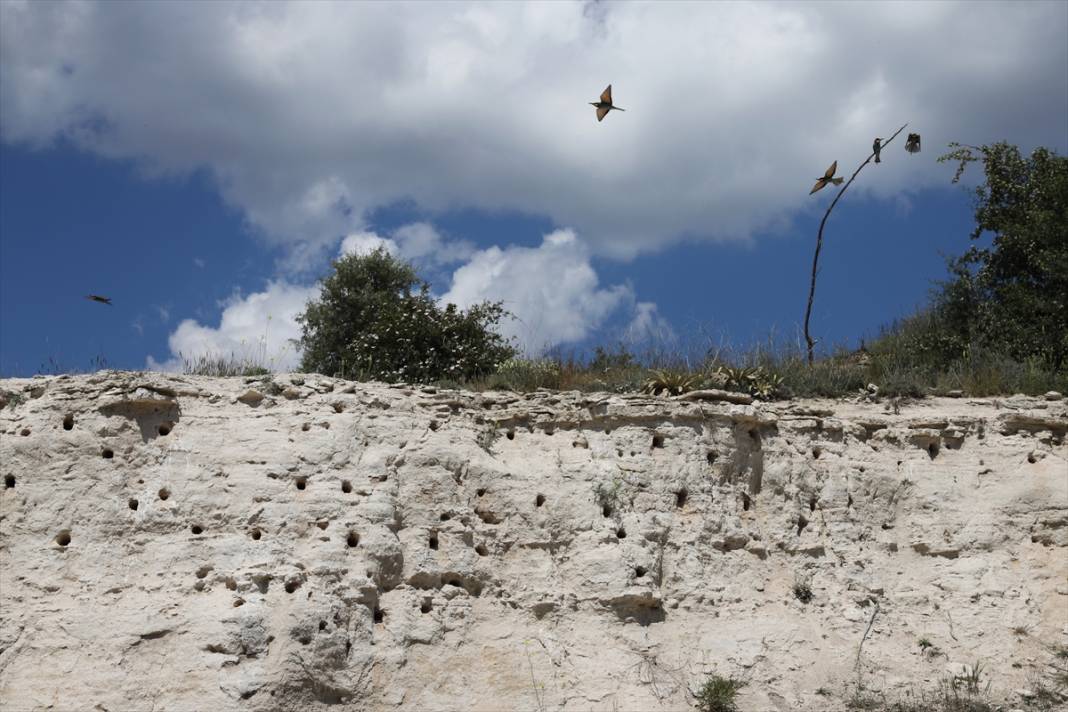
[[353, 539], [747, 502], [292, 585], [68, 422], [1031, 458], [932, 450], [238, 602], [639, 571], [621, 533], [107, 453], [434, 425], [63, 538], [481, 550], [801, 524], [379, 615], [164, 493], [606, 510], [256, 534], [480, 491], [445, 516], [196, 529], [539, 500], [816, 452], [302, 483], [25, 432], [346, 486], [680, 498], [164, 429], [812, 503], [433, 542], [510, 435], [425, 607], [322, 625], [322, 524], [133, 504], [9, 481], [658, 441]]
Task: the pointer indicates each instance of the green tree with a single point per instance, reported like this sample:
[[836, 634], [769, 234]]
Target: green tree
[[375, 319], [1013, 295]]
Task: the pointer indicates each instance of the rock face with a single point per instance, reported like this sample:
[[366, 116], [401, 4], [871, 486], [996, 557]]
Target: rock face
[[299, 543]]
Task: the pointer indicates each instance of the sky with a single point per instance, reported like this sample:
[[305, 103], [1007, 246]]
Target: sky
[[202, 163]]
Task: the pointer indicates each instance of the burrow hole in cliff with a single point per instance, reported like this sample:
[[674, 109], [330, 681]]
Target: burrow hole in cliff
[[433, 541], [932, 450], [353, 539], [238, 602], [434, 425], [481, 550], [133, 504], [711, 457], [621, 533], [801, 524], [346, 486], [302, 483], [379, 615], [812, 503], [606, 510], [425, 606], [164, 493], [323, 524], [9, 481], [305, 427], [25, 432], [747, 502], [658, 441], [255, 534], [164, 429], [63, 538], [68, 422], [816, 452], [322, 625], [539, 500], [639, 571], [510, 435], [197, 529], [292, 585], [445, 516], [680, 498], [107, 453], [849, 500], [480, 491], [1031, 458]]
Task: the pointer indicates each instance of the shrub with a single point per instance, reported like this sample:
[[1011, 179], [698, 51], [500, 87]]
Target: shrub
[[717, 694], [375, 319]]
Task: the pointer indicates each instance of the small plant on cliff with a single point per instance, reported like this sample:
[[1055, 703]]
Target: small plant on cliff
[[803, 589], [717, 694], [375, 319]]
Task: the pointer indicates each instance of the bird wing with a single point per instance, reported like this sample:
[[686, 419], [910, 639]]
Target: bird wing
[[819, 184], [606, 95], [602, 111], [831, 170]]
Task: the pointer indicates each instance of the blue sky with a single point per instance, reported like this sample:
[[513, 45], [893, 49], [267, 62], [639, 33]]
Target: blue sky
[[202, 163]]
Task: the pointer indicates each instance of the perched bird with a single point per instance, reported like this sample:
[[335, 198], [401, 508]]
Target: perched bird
[[828, 177], [876, 147], [912, 143], [98, 298], [605, 104]]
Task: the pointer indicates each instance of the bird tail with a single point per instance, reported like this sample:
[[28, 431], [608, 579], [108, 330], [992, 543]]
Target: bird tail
[[877, 159], [837, 181]]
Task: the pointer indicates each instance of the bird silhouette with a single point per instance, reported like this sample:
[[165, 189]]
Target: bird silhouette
[[877, 146], [605, 104], [828, 177], [98, 298], [912, 143]]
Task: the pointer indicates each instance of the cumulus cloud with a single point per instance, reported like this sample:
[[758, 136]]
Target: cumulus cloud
[[552, 290], [256, 328], [311, 115], [419, 243]]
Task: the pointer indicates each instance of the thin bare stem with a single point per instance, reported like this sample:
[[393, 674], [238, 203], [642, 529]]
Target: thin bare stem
[[819, 243]]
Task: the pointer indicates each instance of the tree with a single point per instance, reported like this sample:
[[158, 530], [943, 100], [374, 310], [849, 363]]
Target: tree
[[1013, 295], [375, 319]]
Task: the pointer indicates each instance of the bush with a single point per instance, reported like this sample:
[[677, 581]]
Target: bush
[[718, 693], [375, 319]]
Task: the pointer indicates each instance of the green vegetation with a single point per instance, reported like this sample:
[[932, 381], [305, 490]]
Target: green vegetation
[[375, 319], [717, 694]]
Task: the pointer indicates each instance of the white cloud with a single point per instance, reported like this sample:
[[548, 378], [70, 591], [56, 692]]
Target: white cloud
[[419, 243], [310, 115], [364, 243], [255, 328], [648, 327], [552, 290]]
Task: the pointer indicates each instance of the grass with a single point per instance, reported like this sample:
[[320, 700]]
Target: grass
[[802, 589], [718, 693]]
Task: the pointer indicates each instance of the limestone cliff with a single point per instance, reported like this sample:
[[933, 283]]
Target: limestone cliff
[[301, 542]]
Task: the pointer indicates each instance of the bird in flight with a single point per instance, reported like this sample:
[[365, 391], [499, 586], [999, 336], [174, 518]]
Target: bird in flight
[[828, 177], [605, 104], [98, 298], [912, 143], [876, 147]]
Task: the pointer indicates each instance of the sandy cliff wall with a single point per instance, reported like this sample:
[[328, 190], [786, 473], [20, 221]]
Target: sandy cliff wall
[[185, 543]]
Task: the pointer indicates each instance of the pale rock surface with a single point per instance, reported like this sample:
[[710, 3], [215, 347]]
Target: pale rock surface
[[305, 543]]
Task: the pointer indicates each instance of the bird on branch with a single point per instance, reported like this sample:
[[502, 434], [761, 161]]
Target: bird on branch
[[876, 147]]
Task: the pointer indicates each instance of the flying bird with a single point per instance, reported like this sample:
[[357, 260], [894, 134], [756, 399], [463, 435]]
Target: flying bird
[[828, 177], [98, 298], [912, 143], [605, 104], [876, 147]]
